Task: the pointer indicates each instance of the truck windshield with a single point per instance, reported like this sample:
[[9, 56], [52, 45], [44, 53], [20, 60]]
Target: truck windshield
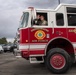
[[24, 20]]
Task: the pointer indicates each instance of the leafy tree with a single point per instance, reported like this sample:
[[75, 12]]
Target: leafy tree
[[3, 40], [15, 39]]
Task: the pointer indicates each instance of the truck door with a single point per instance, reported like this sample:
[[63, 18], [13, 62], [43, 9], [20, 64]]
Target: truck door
[[38, 37], [58, 25]]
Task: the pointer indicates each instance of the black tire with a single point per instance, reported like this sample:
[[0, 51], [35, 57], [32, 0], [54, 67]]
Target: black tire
[[11, 49], [51, 55], [5, 51]]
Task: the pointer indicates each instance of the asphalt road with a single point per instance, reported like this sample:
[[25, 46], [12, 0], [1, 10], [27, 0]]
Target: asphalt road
[[9, 65]]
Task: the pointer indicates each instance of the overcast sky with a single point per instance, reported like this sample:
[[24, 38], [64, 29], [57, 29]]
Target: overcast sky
[[11, 10]]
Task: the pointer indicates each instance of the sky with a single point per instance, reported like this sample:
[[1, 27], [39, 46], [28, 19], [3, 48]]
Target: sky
[[11, 11]]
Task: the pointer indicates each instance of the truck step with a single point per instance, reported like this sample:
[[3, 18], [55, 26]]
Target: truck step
[[34, 60]]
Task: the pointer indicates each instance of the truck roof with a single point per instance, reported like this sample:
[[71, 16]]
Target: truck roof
[[67, 5], [59, 6]]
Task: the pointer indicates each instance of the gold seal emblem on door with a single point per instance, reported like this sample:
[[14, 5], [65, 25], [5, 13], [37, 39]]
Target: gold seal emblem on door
[[40, 34]]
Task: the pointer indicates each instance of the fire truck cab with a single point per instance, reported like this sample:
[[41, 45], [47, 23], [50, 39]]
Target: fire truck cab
[[53, 43]]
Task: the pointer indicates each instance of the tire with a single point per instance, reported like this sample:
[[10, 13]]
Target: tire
[[5, 51], [57, 60], [2, 51], [11, 49]]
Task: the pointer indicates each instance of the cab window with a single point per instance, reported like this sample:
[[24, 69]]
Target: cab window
[[41, 19], [59, 19], [24, 20], [71, 19], [71, 16]]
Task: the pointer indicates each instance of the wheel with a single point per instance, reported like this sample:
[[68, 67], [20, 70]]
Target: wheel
[[5, 51], [57, 60], [2, 51]]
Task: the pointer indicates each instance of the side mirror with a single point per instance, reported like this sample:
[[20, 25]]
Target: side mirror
[[18, 29]]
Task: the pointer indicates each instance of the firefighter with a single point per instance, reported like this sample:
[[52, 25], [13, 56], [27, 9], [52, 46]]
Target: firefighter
[[43, 21], [37, 21]]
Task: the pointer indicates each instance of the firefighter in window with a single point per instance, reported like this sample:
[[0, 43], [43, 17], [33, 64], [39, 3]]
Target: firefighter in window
[[43, 21], [37, 21]]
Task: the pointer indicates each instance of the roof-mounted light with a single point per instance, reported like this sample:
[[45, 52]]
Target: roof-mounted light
[[32, 8]]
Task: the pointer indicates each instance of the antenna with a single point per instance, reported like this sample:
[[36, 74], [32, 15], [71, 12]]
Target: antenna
[[59, 1]]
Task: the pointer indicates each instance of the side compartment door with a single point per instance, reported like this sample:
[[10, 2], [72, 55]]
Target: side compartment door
[[71, 21]]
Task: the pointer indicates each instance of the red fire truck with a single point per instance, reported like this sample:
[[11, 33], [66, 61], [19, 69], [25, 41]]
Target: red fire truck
[[54, 43]]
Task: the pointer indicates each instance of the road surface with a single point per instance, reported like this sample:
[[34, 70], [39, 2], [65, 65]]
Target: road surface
[[9, 65]]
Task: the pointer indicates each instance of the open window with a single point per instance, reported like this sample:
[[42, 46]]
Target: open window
[[42, 20]]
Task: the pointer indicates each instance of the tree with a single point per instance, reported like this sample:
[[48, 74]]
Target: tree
[[15, 40], [3, 40]]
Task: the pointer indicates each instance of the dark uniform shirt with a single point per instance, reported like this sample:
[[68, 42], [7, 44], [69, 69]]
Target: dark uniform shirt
[[36, 21]]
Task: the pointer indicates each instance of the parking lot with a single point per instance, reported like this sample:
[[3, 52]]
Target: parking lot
[[9, 65]]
